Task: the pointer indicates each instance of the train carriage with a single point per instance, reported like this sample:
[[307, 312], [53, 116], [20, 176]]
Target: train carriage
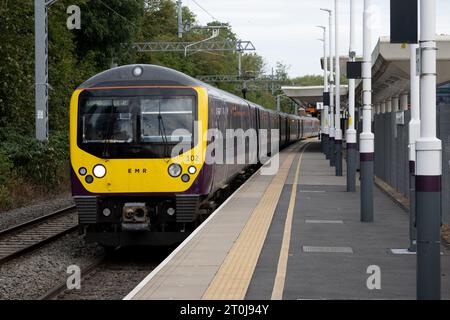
[[139, 150]]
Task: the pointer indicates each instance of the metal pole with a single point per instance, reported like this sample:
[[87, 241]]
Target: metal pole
[[395, 107], [404, 100], [367, 153], [327, 91], [351, 132], [240, 63], [324, 112], [331, 141], [395, 104], [429, 164], [271, 83], [180, 18], [338, 130], [389, 105], [278, 103], [41, 69], [414, 134]]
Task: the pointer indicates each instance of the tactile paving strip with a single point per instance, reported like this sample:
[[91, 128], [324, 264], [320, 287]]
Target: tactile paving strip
[[233, 278]]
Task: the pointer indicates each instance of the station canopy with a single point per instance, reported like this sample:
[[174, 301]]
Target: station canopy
[[308, 96], [391, 68]]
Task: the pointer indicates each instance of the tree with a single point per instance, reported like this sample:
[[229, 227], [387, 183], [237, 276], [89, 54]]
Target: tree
[[108, 31]]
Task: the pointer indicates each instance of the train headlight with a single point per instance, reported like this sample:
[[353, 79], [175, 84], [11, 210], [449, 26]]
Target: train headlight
[[138, 71], [82, 171], [171, 211], [175, 170], [185, 178], [192, 170], [106, 212], [99, 171]]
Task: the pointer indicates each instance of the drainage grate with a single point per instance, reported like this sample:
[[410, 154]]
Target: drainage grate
[[310, 249], [325, 221]]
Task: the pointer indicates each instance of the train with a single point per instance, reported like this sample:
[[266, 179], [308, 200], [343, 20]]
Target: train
[[130, 183]]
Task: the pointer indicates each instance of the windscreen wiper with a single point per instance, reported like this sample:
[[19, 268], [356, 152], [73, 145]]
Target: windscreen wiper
[[109, 132], [162, 132]]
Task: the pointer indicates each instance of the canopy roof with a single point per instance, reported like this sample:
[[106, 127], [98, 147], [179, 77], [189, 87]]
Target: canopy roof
[[391, 68]]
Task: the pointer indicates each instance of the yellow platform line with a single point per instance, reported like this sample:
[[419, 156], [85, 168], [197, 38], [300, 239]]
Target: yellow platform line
[[233, 277], [280, 278]]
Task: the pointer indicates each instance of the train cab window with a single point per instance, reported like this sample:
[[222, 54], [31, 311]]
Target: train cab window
[[136, 123], [167, 119], [107, 120]]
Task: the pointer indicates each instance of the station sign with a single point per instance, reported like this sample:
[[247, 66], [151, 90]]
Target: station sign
[[354, 70], [326, 99], [404, 21]]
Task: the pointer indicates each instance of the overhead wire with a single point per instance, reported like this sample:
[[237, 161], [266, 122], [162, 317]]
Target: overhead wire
[[206, 11], [121, 16]]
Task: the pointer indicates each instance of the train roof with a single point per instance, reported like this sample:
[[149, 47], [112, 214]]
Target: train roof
[[153, 75], [141, 75]]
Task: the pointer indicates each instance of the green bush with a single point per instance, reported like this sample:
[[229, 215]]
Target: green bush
[[39, 163], [6, 167]]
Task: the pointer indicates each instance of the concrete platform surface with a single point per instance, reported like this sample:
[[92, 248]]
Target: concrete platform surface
[[296, 235]]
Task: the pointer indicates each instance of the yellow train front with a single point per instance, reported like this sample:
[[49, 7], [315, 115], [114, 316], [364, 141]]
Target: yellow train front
[[138, 147]]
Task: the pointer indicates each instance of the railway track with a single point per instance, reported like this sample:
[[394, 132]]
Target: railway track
[[35, 233], [113, 276]]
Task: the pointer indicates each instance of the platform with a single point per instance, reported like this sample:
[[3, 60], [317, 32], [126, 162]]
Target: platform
[[296, 235]]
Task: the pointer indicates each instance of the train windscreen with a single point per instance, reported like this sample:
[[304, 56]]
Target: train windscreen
[[136, 127]]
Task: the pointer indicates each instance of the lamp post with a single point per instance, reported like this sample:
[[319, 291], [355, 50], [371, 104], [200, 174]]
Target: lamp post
[[324, 114], [337, 121], [331, 141], [429, 164], [367, 137], [351, 132]]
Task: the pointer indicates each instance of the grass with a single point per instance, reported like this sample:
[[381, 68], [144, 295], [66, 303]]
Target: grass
[[19, 192], [446, 234]]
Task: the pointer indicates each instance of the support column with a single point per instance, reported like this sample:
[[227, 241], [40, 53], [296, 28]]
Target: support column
[[414, 134], [389, 105], [338, 131], [367, 152], [324, 114], [332, 145], [41, 69], [351, 132], [395, 109], [395, 104], [429, 165], [404, 99]]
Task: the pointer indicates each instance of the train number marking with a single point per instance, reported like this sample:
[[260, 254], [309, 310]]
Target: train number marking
[[195, 159]]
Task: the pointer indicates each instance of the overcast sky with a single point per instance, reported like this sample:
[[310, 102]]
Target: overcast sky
[[285, 30]]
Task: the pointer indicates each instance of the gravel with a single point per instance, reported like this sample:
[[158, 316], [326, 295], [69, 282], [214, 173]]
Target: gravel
[[17, 216], [118, 275], [32, 275], [35, 273]]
